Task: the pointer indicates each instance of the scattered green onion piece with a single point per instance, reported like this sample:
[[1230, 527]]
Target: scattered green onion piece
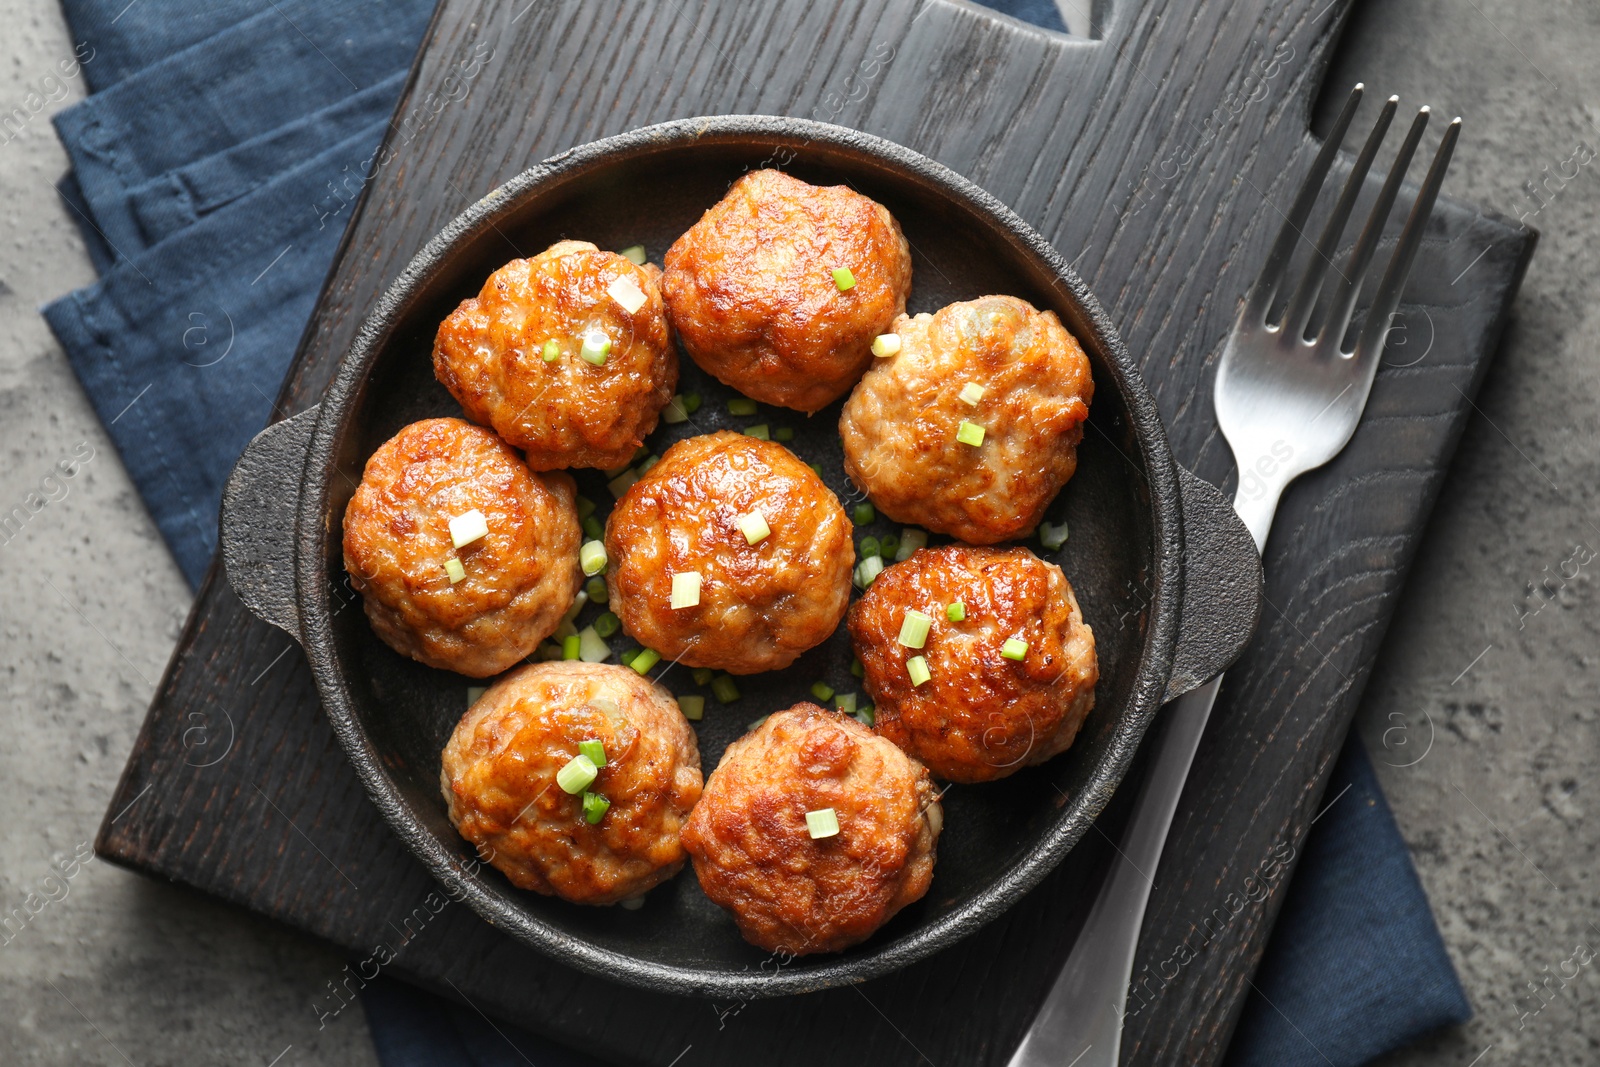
[[585, 507], [866, 716], [885, 345], [592, 528], [596, 588], [845, 702], [911, 539], [917, 668], [888, 545], [956, 611], [607, 624], [632, 903], [626, 292], [741, 405], [869, 546], [622, 482], [564, 630], [816, 468], [755, 724], [578, 774], [702, 675], [914, 629], [592, 648], [640, 453], [760, 432], [843, 278], [863, 514], [571, 646], [969, 433], [724, 689], [856, 668], [754, 527], [596, 347], [595, 750], [649, 461], [549, 650], [633, 254], [1014, 648], [693, 706], [783, 433], [592, 556], [1052, 536], [674, 412], [691, 402], [594, 807], [454, 569], [467, 528], [822, 823], [685, 590], [822, 691], [647, 658], [971, 393], [867, 570], [551, 351], [629, 656], [474, 692]]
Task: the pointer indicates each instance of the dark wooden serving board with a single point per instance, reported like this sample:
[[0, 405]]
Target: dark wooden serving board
[[1153, 158]]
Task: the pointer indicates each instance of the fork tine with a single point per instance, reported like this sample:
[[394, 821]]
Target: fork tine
[[1384, 304], [1266, 284], [1344, 302], [1305, 297]]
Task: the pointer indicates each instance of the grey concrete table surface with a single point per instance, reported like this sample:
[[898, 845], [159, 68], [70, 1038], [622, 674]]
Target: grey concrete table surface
[[1482, 715]]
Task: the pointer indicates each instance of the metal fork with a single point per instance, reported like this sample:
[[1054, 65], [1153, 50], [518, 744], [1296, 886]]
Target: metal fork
[[1286, 404]]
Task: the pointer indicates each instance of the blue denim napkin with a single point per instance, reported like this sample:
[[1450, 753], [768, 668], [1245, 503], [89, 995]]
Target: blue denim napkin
[[206, 156]]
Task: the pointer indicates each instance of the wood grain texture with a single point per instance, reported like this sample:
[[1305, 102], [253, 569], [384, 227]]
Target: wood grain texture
[[1127, 154]]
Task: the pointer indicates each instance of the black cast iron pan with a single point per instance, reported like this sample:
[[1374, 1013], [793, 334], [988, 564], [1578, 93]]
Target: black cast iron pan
[[1164, 572]]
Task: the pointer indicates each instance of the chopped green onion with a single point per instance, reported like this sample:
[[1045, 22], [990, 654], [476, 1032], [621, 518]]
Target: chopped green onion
[[1052, 536], [685, 590], [622, 482], [917, 668], [741, 405], [866, 716], [822, 823], [843, 278], [592, 528], [760, 432], [867, 570], [888, 545], [863, 514], [594, 808], [969, 433], [674, 412], [914, 629], [783, 433], [886, 344], [592, 648], [454, 569], [822, 691], [869, 546], [971, 393], [549, 650], [596, 347], [578, 774], [592, 556], [629, 656], [564, 630], [596, 588], [845, 702], [571, 646], [956, 611], [816, 468], [649, 461], [595, 750], [724, 689], [612, 472], [911, 539], [607, 624], [856, 668], [755, 724], [1014, 648], [551, 351], [585, 507], [576, 606], [467, 528], [691, 402], [626, 292], [633, 254], [693, 706], [702, 675], [474, 692], [754, 527], [647, 658]]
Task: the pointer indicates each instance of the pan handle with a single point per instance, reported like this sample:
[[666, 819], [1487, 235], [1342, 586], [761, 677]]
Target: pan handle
[[259, 505], [1221, 587]]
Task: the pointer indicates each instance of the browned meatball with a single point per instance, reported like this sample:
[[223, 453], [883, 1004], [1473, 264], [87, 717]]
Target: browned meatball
[[518, 579], [755, 856], [760, 605], [499, 780], [980, 715], [900, 425], [567, 411], [751, 290]]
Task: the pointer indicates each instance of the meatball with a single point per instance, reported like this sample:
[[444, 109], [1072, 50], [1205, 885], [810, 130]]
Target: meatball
[[981, 714], [996, 363], [499, 779], [769, 544], [754, 854], [585, 407], [517, 580], [752, 292]]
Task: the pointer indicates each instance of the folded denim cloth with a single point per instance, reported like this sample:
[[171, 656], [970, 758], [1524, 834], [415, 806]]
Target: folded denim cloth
[[239, 248]]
